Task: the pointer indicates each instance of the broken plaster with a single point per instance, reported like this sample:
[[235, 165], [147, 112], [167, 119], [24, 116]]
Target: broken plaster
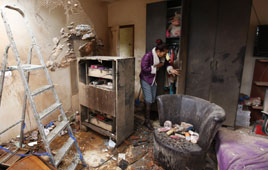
[[70, 6]]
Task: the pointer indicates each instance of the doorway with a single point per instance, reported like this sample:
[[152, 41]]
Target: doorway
[[126, 40]]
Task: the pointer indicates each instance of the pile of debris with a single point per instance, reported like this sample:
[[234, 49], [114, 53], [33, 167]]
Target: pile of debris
[[66, 50], [182, 131], [32, 142]]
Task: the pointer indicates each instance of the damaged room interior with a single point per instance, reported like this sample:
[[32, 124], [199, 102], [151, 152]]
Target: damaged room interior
[[134, 85]]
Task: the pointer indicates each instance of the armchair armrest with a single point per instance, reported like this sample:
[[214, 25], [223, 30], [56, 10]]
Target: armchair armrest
[[210, 126]]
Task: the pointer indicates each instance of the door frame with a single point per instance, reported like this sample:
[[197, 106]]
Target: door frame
[[133, 38]]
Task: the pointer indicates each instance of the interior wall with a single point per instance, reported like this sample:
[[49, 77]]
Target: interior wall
[[46, 23], [128, 12], [259, 16]]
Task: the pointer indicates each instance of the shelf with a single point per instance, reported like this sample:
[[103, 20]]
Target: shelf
[[257, 107], [100, 123], [263, 61], [261, 83], [100, 73], [103, 87], [172, 38], [175, 7], [100, 130]]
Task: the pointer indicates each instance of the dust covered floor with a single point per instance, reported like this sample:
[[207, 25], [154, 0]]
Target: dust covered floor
[[136, 151]]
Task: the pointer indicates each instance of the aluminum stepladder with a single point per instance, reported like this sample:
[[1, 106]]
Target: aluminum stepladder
[[24, 70]]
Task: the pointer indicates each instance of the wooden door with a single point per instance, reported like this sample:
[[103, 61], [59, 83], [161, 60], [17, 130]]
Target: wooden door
[[126, 35], [155, 23], [217, 43], [202, 36], [230, 47]]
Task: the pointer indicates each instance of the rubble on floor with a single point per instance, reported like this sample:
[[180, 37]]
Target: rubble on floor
[[135, 153]]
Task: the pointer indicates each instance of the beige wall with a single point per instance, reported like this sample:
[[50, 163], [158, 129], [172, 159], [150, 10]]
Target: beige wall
[[262, 14], [46, 24], [128, 12]]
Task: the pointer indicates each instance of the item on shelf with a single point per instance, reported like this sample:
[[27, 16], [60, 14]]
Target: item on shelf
[[174, 29], [254, 101]]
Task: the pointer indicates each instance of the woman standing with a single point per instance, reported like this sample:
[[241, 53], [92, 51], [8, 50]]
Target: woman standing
[[150, 63]]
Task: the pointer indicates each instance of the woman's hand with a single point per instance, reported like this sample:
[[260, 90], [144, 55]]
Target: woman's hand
[[174, 72], [159, 65]]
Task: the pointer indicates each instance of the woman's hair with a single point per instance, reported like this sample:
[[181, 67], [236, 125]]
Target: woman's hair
[[160, 45]]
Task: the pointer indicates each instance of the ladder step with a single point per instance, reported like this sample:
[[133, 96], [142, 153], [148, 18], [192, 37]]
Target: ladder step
[[26, 67], [53, 134], [74, 164], [42, 89], [49, 110], [62, 151]]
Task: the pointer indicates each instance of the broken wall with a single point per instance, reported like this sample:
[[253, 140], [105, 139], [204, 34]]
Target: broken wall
[[46, 18], [129, 12]]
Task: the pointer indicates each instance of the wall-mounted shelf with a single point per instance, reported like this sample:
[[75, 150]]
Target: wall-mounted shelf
[[261, 83], [175, 7], [257, 107]]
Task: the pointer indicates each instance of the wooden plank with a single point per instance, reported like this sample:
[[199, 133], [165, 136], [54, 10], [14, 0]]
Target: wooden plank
[[257, 107], [31, 162], [74, 79], [263, 61], [124, 99], [261, 83], [230, 47]]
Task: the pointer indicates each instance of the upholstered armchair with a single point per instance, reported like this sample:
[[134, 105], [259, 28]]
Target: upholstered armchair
[[206, 118]]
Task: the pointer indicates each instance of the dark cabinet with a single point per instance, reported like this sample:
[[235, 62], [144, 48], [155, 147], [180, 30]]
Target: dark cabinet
[[158, 19], [217, 43], [155, 23]]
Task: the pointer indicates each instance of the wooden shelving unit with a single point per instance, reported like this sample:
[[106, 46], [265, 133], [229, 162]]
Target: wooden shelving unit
[[106, 95], [259, 87]]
